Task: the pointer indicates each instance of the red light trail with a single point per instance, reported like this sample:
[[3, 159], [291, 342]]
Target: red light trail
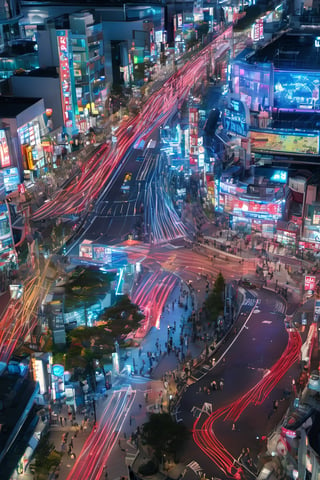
[[95, 173], [152, 297], [204, 435], [96, 450]]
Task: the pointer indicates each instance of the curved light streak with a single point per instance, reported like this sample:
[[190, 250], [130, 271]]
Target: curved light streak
[[204, 435], [152, 297], [21, 315], [103, 437]]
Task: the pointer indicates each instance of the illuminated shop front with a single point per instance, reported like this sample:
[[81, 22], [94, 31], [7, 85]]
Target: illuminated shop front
[[286, 237], [20, 141], [34, 158], [310, 238], [210, 189], [9, 181], [102, 255]]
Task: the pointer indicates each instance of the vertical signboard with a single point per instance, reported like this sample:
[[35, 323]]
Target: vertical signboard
[[65, 77], [2, 187], [193, 135], [316, 310], [11, 179], [57, 382], [309, 282], [4, 150]]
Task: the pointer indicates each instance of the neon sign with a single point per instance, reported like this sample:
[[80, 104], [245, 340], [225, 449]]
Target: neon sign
[[309, 282], [4, 150], [65, 77], [235, 118], [280, 176]]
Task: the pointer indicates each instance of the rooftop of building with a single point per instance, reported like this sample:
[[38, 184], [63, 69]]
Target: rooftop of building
[[15, 393], [20, 444], [19, 47], [38, 72], [11, 106], [295, 49]]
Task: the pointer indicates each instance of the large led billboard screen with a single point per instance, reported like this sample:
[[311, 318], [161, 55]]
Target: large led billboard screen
[[296, 90], [235, 205], [302, 143]]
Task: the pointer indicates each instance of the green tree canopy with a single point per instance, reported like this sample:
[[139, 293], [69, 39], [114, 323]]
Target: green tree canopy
[[164, 435], [219, 286], [46, 458], [123, 317], [86, 344], [86, 287], [214, 303]]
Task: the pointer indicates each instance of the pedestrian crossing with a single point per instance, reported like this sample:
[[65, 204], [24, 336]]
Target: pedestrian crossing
[[195, 467], [251, 302], [280, 307]]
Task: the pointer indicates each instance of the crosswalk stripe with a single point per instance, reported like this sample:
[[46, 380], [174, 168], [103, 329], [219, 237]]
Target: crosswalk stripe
[[195, 467]]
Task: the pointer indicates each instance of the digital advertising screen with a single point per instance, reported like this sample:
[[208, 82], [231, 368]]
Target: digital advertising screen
[[253, 83], [5, 160], [235, 205], [303, 143], [296, 90], [102, 253]]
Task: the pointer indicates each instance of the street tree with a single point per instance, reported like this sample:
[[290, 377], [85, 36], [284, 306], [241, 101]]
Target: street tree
[[214, 303], [88, 347], [46, 458], [85, 288]]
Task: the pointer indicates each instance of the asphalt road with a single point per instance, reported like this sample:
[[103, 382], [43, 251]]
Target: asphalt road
[[119, 210], [244, 360]]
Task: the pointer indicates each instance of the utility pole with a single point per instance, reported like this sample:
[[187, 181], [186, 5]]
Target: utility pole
[[94, 410]]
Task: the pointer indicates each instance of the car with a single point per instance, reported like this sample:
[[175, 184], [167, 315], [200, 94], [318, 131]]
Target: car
[[127, 177], [247, 284]]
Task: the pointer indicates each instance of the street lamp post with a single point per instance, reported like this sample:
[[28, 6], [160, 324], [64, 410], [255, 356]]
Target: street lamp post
[[94, 410]]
